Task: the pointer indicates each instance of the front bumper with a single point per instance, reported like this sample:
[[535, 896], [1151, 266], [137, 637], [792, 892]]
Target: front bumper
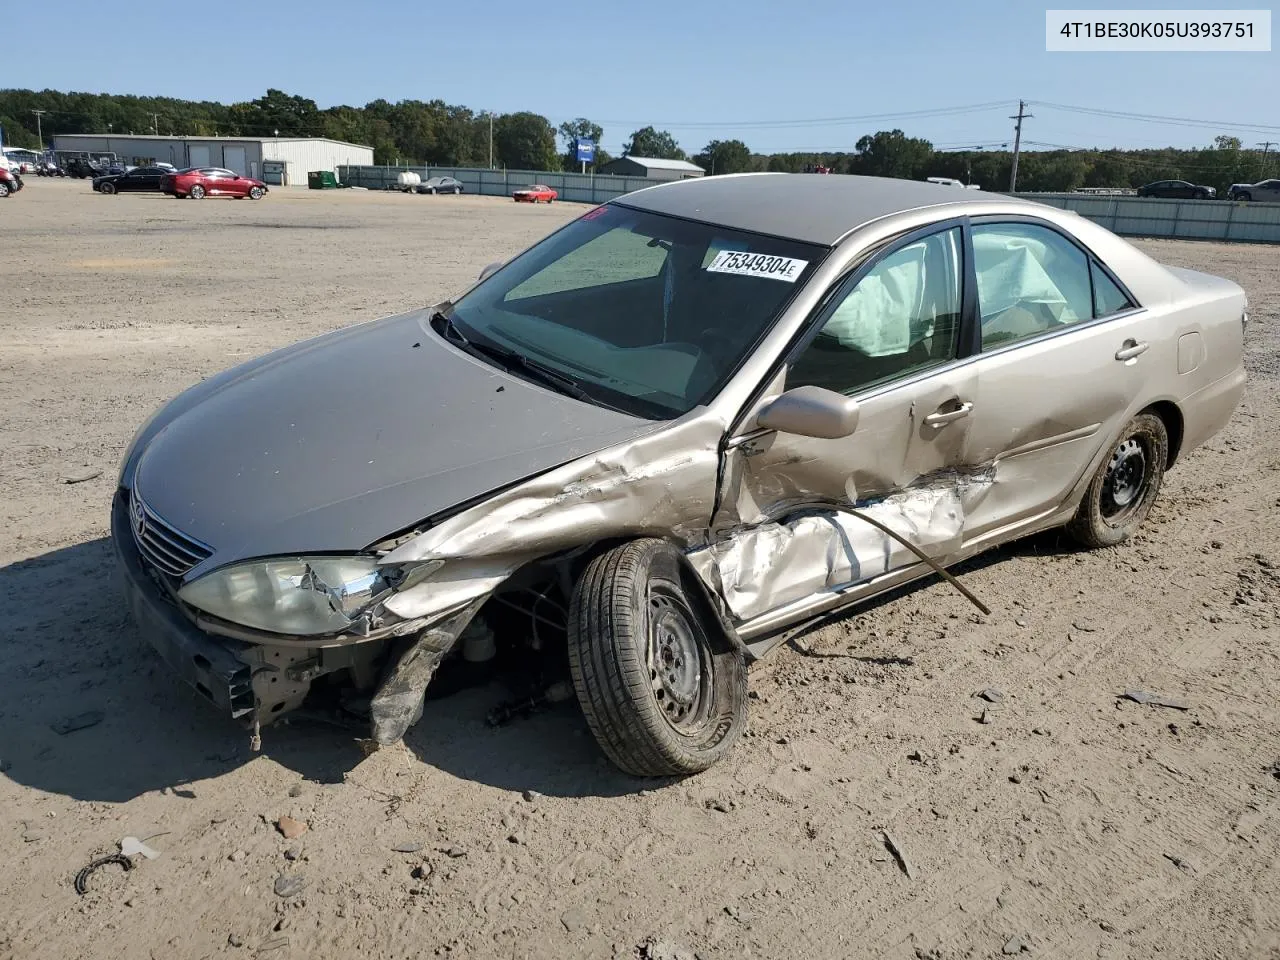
[[211, 665]]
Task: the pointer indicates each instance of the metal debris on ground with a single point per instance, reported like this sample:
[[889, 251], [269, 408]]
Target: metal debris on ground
[[1155, 699], [132, 846], [508, 710], [898, 855], [1177, 861], [81, 477], [80, 721], [82, 878], [992, 695]]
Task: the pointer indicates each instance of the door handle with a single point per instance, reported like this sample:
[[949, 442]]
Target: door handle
[[1131, 349], [942, 418]]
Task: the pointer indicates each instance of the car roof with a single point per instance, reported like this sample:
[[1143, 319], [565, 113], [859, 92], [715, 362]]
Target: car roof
[[811, 207]]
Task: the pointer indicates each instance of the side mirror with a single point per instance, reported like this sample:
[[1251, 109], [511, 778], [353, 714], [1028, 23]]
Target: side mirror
[[811, 412], [490, 270]]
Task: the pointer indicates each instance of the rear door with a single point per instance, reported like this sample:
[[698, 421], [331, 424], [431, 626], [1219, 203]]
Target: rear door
[[1063, 357]]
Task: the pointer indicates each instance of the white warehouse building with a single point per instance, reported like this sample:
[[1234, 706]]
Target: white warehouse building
[[281, 161]]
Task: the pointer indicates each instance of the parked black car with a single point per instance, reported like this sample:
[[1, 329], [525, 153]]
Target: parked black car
[[439, 185], [83, 169], [137, 180], [1177, 190]]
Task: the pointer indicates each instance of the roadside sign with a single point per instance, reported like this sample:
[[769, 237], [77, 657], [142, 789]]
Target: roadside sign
[[586, 150]]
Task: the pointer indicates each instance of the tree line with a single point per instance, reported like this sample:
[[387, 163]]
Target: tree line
[[432, 132]]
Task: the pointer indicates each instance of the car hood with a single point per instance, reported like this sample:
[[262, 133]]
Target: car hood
[[336, 443]]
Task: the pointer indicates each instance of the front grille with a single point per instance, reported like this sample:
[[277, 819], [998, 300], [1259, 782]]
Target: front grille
[[168, 550]]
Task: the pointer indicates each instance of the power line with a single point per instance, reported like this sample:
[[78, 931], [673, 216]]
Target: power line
[[1156, 118], [815, 121]]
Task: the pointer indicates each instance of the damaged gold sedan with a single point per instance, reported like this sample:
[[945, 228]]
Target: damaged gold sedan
[[641, 451]]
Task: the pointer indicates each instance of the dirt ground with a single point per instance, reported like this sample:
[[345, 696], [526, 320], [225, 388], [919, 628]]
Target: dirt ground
[[1073, 824]]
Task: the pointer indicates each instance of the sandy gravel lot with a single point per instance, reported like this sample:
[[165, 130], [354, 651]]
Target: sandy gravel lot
[[1075, 824]]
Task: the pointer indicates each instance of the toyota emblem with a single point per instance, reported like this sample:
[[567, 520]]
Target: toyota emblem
[[139, 516]]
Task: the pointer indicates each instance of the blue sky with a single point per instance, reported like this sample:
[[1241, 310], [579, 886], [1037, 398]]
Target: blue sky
[[702, 70]]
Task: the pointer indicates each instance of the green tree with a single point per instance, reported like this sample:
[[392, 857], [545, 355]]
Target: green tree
[[891, 153], [724, 156], [655, 144], [524, 141], [1226, 143], [278, 114]]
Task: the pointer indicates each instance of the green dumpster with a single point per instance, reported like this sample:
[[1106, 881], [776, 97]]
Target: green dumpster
[[322, 180]]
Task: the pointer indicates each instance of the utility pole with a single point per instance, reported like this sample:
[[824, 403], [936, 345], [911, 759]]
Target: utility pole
[[490, 139], [1266, 145], [39, 127], [155, 124], [1017, 143]]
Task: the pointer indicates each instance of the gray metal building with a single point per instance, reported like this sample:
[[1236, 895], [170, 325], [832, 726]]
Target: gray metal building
[[653, 168], [275, 160]]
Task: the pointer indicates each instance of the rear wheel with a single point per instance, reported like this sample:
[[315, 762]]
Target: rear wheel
[[196, 192], [663, 694], [1126, 485]]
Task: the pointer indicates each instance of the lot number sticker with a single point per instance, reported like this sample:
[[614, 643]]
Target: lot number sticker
[[786, 269]]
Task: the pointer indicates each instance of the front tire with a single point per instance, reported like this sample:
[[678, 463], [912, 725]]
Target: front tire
[[663, 694], [4, 189], [1244, 196], [1125, 487], [107, 188], [255, 193], [196, 192]]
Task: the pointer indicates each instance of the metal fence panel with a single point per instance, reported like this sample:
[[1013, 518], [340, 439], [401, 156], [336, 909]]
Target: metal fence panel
[[1182, 219], [572, 187]]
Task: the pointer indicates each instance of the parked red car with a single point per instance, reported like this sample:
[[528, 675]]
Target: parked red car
[[200, 182], [10, 182], [538, 193]]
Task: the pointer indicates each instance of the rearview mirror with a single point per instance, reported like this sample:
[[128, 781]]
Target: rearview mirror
[[490, 270], [811, 412]]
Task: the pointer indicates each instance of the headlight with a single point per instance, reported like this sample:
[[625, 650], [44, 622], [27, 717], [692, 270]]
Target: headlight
[[298, 595]]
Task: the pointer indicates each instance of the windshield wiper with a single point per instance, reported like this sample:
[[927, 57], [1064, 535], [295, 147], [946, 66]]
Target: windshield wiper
[[512, 361]]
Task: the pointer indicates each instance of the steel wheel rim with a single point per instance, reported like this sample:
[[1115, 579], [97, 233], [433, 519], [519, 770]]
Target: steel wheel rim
[[679, 665], [1125, 481]]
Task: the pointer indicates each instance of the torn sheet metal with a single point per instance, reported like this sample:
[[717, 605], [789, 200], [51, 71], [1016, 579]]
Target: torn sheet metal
[[398, 703], [662, 484], [820, 549]]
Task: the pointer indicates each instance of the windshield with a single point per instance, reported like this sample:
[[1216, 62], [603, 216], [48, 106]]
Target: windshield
[[650, 314]]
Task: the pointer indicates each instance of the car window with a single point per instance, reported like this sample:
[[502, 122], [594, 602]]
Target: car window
[[613, 257], [1030, 280], [903, 315], [1108, 298], [647, 313]]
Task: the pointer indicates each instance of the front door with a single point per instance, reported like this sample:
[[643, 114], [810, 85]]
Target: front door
[[889, 337], [1063, 356]]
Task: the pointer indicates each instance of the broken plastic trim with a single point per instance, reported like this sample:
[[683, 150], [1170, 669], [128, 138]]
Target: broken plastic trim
[[398, 703]]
